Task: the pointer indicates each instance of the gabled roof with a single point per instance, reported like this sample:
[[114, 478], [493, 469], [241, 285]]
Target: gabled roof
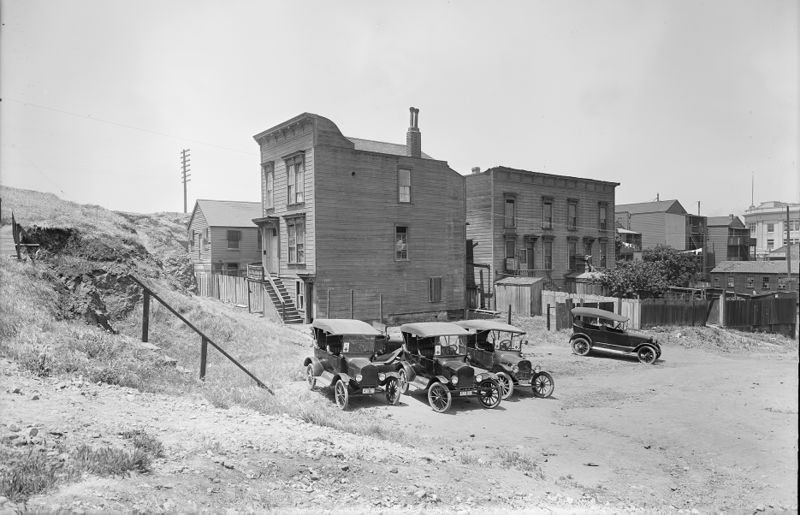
[[381, 147], [661, 206], [227, 213], [755, 267], [725, 221]]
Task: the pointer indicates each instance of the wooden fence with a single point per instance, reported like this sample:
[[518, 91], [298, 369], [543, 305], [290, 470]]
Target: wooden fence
[[233, 289], [773, 313], [673, 311]]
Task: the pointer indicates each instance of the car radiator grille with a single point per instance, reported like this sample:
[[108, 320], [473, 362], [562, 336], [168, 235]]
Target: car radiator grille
[[369, 376], [525, 371], [466, 377]]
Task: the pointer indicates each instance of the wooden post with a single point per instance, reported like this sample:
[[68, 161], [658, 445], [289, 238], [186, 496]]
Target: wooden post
[[548, 317], [247, 285], [328, 305], [352, 303], [380, 306], [203, 357], [145, 314], [482, 302], [722, 309], [509, 314]]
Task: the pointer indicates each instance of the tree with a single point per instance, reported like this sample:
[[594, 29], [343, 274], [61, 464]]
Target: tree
[[635, 279], [679, 269]]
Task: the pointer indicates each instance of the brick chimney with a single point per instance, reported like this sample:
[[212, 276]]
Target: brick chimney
[[476, 170], [413, 136]]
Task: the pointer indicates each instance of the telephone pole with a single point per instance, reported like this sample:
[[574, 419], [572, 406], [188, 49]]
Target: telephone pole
[[185, 173]]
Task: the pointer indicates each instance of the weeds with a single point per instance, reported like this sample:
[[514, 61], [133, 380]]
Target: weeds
[[27, 474], [145, 442], [110, 461], [514, 459]]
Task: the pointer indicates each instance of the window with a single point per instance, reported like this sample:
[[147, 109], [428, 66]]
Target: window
[[587, 247], [782, 283], [207, 240], [295, 179], [751, 281], [300, 298], [765, 282], [752, 228], [510, 219], [233, 239], [548, 254], [511, 248], [602, 213], [547, 213], [268, 171], [770, 244], [401, 243], [259, 244], [572, 248], [730, 281], [795, 226], [572, 215], [716, 282], [296, 236], [603, 253], [435, 289], [770, 227], [404, 186], [231, 269]]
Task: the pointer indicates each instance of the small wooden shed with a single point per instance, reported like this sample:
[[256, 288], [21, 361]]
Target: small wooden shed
[[523, 294]]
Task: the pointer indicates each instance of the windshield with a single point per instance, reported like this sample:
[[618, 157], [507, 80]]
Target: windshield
[[507, 341], [358, 344], [450, 346]]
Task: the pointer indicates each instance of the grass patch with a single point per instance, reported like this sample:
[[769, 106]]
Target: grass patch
[[110, 461], [28, 474], [515, 460]]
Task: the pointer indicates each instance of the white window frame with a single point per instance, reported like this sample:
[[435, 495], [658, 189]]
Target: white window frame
[[401, 245], [268, 169], [233, 243], [404, 186], [295, 179], [296, 240]]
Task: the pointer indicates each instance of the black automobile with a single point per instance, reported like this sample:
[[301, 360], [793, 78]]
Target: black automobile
[[434, 359], [345, 358], [598, 329], [498, 347]]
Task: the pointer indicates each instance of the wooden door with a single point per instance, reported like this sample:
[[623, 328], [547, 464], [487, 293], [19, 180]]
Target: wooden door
[[271, 248]]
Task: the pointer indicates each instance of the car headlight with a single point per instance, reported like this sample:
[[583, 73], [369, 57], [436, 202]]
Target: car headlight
[[381, 376], [359, 377], [479, 378], [537, 369], [454, 379], [515, 369]]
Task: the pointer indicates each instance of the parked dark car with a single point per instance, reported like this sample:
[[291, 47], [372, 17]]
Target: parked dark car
[[598, 329], [497, 346], [345, 358], [435, 359]]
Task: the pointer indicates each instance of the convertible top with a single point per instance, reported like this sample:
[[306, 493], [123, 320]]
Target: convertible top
[[600, 313], [340, 326], [428, 329], [489, 325]]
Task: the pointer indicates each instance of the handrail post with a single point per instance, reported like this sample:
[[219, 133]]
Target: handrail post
[[145, 314], [548, 317], [203, 357]]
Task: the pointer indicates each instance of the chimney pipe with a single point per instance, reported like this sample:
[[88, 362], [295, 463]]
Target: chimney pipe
[[476, 170], [413, 136]]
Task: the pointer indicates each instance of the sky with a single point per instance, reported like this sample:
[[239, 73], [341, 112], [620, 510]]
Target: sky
[[689, 100]]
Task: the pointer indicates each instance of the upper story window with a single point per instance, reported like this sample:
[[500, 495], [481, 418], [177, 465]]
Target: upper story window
[[547, 213], [401, 243], [296, 238], [548, 254], [572, 215], [510, 214], [295, 179], [752, 228], [770, 227], [750, 282], [207, 239], [770, 244], [268, 173], [404, 185], [435, 289], [765, 282], [572, 252], [233, 239], [602, 215]]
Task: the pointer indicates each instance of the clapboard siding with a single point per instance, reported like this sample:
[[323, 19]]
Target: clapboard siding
[[216, 250]]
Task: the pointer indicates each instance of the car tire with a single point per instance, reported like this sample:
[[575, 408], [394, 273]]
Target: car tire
[[490, 393], [506, 383], [311, 379], [647, 354], [542, 384], [393, 392], [581, 346], [439, 397], [403, 381], [341, 394]]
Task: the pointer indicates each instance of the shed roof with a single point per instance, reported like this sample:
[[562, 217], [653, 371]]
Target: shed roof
[[519, 280], [755, 267], [340, 326], [427, 329], [228, 213], [381, 147], [660, 206]]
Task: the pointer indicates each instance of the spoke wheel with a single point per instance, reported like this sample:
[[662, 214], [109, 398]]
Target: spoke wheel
[[403, 381], [439, 397], [341, 395], [647, 355], [581, 346], [506, 383], [543, 384], [392, 391], [489, 393], [310, 378]]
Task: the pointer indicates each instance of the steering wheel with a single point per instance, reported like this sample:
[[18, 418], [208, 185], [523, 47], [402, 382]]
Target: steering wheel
[[504, 344]]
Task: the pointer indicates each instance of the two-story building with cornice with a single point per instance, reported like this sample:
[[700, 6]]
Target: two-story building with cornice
[[354, 228]]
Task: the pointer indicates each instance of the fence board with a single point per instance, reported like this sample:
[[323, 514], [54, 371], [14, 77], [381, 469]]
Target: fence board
[[772, 314], [665, 311]]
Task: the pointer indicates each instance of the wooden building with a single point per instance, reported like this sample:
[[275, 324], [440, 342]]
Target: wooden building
[[357, 228], [663, 222], [728, 239], [533, 224], [222, 236], [755, 277]]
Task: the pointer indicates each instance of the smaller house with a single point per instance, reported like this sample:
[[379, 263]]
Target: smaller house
[[755, 277], [222, 236], [728, 239]]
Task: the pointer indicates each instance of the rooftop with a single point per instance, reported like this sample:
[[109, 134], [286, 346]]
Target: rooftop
[[658, 206], [228, 213], [755, 267]]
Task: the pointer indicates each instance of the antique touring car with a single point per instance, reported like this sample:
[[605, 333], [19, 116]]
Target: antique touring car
[[497, 346], [345, 359], [594, 328], [435, 359]]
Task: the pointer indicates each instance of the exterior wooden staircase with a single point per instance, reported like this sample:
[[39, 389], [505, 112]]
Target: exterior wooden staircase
[[282, 301]]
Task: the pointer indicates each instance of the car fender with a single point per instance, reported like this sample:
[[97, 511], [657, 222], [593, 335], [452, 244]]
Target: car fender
[[410, 374], [315, 363], [442, 379], [649, 344], [388, 375], [579, 335], [344, 378]]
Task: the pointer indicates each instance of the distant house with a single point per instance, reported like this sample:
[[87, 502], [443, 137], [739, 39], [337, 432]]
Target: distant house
[[533, 224], [360, 228], [767, 224], [222, 236], [630, 244], [663, 222], [779, 254], [754, 277], [728, 239]]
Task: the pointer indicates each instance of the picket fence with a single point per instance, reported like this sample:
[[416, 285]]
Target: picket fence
[[233, 289]]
